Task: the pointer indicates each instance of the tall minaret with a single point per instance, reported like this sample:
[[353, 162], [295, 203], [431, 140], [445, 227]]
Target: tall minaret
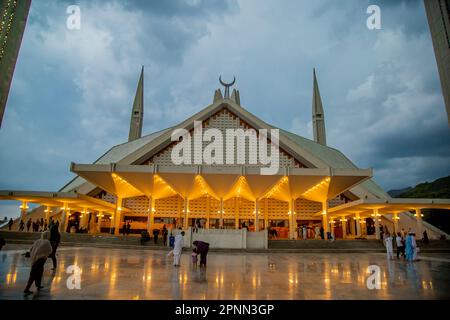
[[137, 114], [318, 117]]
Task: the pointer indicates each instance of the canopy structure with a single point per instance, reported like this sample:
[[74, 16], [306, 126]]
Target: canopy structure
[[68, 201], [366, 207], [221, 182]]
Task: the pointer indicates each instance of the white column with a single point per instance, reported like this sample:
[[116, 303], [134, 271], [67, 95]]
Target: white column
[[186, 213], [325, 219], [23, 211], [291, 219], [221, 213], [344, 227], [151, 213], [236, 213], [358, 224], [117, 216], [396, 219], [256, 215], [47, 213], [266, 213], [208, 211], [332, 222], [64, 216], [419, 223], [99, 221], [376, 217]]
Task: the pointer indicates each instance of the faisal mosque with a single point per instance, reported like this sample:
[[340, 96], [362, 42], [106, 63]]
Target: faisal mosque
[[208, 172]]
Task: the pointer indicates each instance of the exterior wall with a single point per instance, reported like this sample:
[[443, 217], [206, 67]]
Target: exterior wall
[[227, 238]]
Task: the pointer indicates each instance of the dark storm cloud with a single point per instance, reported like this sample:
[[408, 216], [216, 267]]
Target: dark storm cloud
[[72, 91], [193, 8]]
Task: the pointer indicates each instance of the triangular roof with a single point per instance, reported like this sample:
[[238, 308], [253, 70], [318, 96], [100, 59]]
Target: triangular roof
[[306, 151]]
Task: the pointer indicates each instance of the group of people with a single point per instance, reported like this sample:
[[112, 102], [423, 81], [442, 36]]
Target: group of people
[[126, 228], [305, 232], [405, 243], [38, 225], [200, 248], [42, 249], [164, 232]]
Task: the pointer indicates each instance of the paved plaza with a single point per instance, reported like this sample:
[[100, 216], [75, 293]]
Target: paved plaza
[[149, 274]]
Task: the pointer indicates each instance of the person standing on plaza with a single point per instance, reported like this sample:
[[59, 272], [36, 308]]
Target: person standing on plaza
[[39, 252], [388, 244], [10, 224], [155, 235], [45, 225], [304, 232], [28, 224], [55, 238], [165, 232], [128, 227], [425, 239], [177, 248], [410, 247], [21, 225], [322, 233], [317, 232], [124, 228], [400, 245]]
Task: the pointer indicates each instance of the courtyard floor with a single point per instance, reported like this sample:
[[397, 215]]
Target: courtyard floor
[[149, 274]]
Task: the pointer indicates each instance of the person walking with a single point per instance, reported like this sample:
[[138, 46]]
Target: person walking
[[39, 252], [21, 225], [29, 224], [177, 248], [322, 233], [45, 225], [304, 232], [400, 245], [55, 239], [128, 227], [388, 244], [10, 224]]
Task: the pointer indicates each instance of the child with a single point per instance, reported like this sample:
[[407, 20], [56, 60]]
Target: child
[[194, 257]]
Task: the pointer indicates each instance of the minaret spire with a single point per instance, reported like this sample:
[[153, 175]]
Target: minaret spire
[[318, 117], [137, 114]]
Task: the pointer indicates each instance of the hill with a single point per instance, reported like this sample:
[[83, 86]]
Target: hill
[[439, 188]]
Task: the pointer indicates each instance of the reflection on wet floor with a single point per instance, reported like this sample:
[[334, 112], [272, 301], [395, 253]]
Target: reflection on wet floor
[[145, 274]]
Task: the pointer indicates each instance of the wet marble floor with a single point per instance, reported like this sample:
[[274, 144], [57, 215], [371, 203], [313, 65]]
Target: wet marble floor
[[148, 274]]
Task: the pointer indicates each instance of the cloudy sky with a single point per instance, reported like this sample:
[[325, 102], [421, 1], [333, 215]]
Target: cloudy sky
[[72, 91]]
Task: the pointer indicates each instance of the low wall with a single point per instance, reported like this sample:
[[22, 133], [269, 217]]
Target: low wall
[[257, 240], [226, 238]]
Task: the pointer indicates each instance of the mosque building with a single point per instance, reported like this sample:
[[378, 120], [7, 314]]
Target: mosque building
[[140, 183]]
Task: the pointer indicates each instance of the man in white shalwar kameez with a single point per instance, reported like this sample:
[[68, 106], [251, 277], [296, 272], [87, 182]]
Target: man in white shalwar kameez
[[389, 247], [177, 248]]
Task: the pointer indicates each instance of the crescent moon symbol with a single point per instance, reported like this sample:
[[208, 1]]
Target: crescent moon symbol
[[227, 84]]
